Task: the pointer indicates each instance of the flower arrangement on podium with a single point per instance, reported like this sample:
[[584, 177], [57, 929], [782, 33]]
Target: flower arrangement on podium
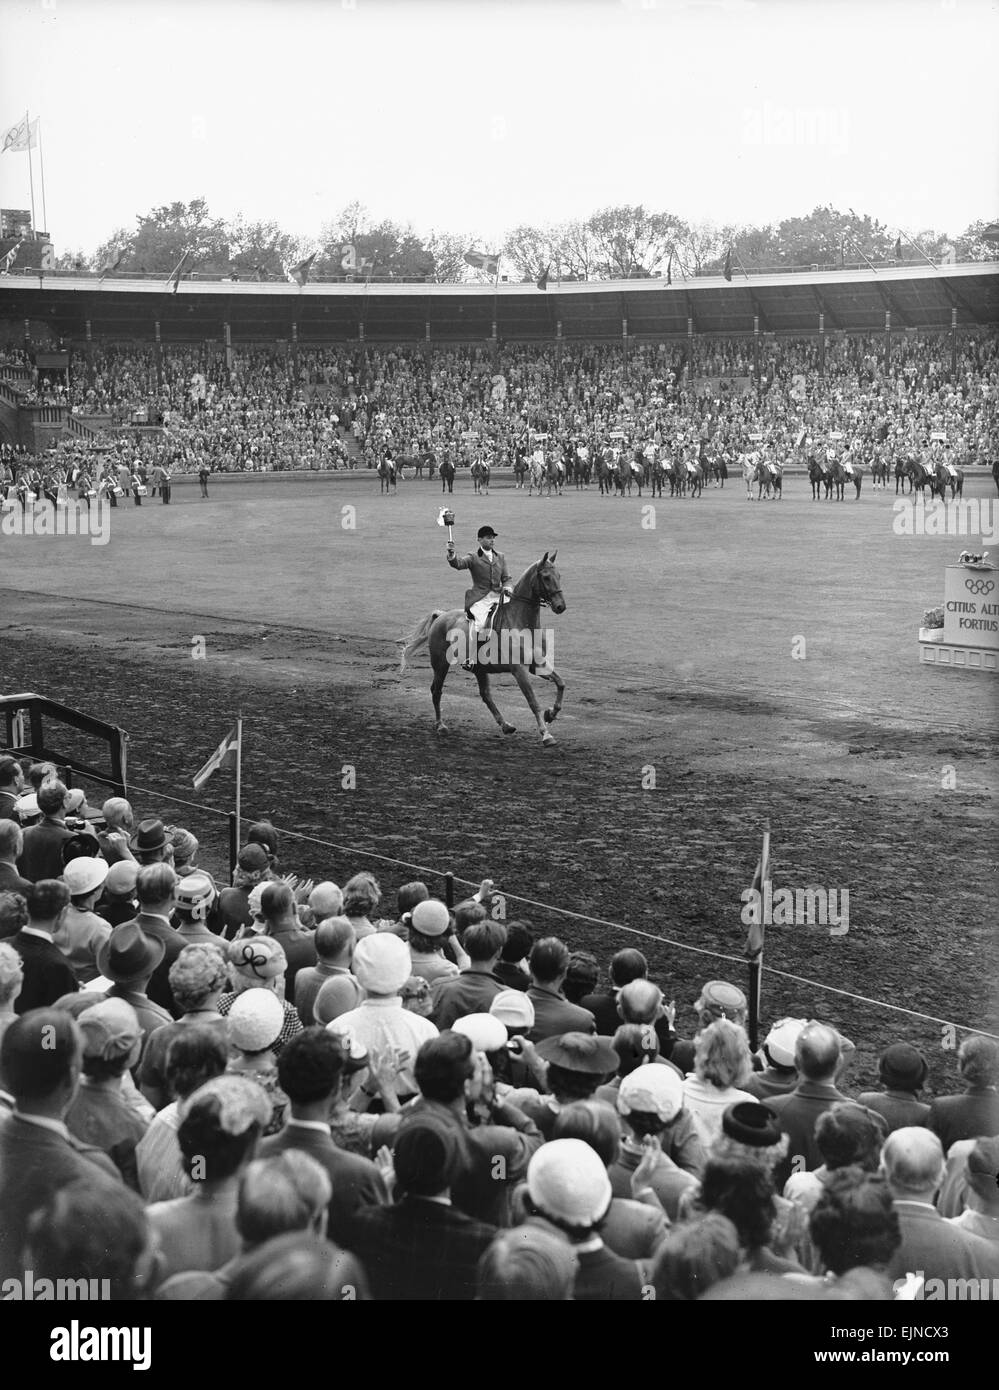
[[932, 629]]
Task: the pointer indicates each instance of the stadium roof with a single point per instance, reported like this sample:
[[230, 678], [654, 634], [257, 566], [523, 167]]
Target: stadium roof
[[923, 297]]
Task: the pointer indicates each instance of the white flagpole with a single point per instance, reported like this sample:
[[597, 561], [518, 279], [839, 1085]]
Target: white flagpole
[[239, 771], [41, 167], [31, 175]]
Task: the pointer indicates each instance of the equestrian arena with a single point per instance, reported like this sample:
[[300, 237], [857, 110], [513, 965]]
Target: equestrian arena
[[728, 663]]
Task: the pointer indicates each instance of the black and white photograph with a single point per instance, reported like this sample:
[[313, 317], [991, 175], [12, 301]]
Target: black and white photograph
[[499, 667]]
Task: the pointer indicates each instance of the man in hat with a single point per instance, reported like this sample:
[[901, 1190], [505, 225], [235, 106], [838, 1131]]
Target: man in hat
[[81, 932], [150, 843], [128, 959], [717, 999], [490, 583], [119, 903]]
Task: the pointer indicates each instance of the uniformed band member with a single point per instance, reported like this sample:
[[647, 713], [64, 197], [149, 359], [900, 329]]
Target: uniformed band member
[[490, 582]]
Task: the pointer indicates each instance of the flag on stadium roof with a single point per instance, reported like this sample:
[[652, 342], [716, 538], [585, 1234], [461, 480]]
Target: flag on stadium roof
[[727, 272], [480, 260], [175, 278], [299, 274], [542, 280], [225, 756], [669, 269], [20, 137], [114, 259], [898, 248], [8, 260]]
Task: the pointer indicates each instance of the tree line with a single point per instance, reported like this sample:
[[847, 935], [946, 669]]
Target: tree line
[[613, 243]]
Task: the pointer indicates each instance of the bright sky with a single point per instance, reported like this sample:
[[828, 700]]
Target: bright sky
[[473, 117]]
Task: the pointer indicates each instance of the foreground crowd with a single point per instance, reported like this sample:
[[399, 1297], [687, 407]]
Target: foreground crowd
[[338, 407], [272, 1091]]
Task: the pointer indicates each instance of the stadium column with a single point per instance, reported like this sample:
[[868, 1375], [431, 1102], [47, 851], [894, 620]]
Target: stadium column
[[294, 349], [89, 342], [887, 340], [228, 349], [624, 338], [158, 355], [953, 344], [822, 345], [756, 351], [690, 349], [558, 349]]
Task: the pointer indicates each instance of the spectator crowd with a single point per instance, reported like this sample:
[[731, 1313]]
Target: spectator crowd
[[278, 408], [276, 1088]]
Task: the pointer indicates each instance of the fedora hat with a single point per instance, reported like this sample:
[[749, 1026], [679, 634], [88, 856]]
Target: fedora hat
[[129, 954], [149, 835]]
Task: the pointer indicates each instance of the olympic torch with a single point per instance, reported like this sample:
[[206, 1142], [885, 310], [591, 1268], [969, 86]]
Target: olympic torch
[[445, 517]]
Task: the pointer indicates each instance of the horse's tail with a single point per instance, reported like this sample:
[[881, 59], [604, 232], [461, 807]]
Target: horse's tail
[[416, 639]]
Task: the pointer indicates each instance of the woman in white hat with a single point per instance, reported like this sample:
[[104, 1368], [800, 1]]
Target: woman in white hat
[[255, 1023], [259, 962]]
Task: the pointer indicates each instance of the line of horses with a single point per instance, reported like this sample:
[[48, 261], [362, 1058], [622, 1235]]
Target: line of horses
[[618, 476]]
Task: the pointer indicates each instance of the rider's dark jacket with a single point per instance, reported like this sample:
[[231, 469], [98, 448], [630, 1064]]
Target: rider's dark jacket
[[486, 576]]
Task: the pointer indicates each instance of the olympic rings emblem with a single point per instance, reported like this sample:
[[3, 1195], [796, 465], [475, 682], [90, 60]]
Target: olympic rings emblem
[[979, 586]]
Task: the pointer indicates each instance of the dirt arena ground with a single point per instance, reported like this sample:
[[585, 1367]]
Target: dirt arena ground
[[759, 658]]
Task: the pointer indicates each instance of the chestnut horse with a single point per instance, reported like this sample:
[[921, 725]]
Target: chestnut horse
[[516, 628]]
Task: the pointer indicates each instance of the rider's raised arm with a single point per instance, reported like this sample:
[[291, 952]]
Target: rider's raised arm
[[459, 562]]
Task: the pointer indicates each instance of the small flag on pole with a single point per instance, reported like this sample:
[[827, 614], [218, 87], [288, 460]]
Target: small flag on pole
[[9, 259], [226, 755], [20, 137], [299, 274], [114, 259], [542, 280], [177, 275], [480, 260], [669, 269], [727, 272], [754, 945], [898, 248]]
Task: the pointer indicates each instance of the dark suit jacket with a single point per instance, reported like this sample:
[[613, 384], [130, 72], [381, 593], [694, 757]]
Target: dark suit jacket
[[35, 1163], [357, 1183], [939, 1250], [300, 949], [11, 881], [973, 1115], [603, 1007], [487, 576], [797, 1112], [899, 1109], [158, 989], [454, 996], [420, 1250], [48, 975], [7, 800], [554, 1015], [41, 856]]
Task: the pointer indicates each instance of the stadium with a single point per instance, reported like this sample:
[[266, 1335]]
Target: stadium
[[743, 792]]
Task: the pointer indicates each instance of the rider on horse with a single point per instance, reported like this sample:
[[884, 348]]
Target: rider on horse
[[490, 582]]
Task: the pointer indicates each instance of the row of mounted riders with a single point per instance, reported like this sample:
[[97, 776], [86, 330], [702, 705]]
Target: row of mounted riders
[[619, 472], [615, 471]]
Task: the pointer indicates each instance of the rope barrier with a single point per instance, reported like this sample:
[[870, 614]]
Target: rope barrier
[[583, 917]]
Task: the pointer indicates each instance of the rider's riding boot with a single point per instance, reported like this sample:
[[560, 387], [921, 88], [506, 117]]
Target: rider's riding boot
[[473, 650]]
